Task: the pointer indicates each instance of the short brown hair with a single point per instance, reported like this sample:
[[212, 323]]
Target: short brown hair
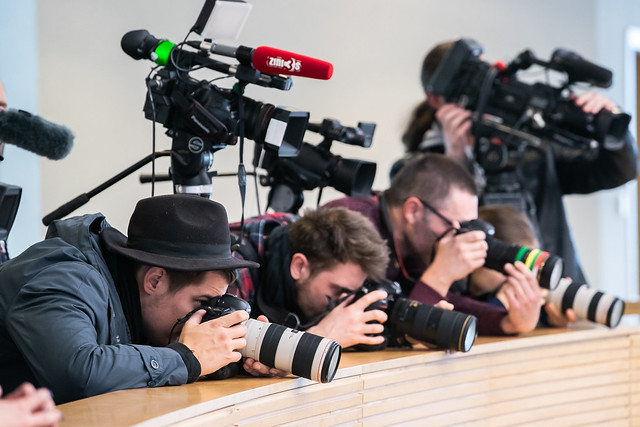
[[430, 177], [332, 236], [511, 226]]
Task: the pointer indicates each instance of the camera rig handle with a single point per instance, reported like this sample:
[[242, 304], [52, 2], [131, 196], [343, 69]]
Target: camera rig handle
[[83, 198]]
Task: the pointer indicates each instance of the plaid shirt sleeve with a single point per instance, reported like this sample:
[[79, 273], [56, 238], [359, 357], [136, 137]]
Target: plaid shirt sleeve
[[256, 232]]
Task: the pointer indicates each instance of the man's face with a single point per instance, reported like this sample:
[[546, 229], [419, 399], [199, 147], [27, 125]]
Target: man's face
[[314, 292], [460, 206], [162, 308]]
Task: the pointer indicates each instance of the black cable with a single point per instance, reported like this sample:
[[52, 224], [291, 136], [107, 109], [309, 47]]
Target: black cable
[[242, 173], [153, 133], [255, 186]]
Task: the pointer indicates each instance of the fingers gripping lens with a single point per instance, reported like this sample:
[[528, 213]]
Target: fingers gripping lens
[[595, 306], [445, 328], [301, 353], [423, 322], [547, 268]]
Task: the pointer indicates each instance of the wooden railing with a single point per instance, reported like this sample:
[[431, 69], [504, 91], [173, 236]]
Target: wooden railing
[[587, 374]]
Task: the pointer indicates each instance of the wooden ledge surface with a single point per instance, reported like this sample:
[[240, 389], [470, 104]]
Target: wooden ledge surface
[[170, 405]]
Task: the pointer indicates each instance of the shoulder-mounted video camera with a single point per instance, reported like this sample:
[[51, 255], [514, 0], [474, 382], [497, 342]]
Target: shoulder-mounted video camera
[[316, 167], [510, 114]]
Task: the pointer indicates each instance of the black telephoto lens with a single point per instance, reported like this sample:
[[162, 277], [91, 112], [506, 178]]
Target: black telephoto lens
[[547, 268], [446, 328]]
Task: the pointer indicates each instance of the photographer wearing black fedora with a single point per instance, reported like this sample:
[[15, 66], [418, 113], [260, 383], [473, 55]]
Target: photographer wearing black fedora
[[88, 310]]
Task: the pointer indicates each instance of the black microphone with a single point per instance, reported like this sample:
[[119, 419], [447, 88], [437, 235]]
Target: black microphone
[[35, 134], [140, 44], [579, 69]]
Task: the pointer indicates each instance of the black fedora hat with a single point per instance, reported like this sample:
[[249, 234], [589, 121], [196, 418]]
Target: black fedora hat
[[178, 231]]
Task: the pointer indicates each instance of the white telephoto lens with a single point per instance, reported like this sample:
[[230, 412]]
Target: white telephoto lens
[[301, 353]]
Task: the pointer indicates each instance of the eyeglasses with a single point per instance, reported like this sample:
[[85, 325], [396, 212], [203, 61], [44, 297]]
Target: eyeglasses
[[435, 211]]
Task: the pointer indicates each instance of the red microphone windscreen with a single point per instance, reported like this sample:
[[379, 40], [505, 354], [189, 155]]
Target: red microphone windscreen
[[275, 61]]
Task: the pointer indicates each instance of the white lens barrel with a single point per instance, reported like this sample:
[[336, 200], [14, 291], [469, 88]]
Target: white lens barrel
[[590, 304], [301, 353]]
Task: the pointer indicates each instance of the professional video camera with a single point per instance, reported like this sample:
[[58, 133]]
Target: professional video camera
[[315, 166], [202, 118], [423, 322], [510, 114], [548, 268], [301, 353]]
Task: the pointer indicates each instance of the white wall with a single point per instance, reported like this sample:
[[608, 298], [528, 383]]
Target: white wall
[[19, 73], [89, 84]]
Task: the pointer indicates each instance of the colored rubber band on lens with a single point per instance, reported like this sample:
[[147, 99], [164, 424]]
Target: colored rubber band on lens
[[540, 260], [521, 253], [532, 257]]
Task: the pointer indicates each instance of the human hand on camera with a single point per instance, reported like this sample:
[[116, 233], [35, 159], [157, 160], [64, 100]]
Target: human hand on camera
[[524, 298], [26, 406], [456, 257], [257, 369], [557, 318], [456, 129], [215, 343], [349, 324], [594, 102], [445, 305]]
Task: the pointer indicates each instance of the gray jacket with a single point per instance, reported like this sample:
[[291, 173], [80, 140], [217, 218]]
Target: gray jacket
[[62, 325]]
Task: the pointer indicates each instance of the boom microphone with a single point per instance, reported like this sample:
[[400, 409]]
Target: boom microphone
[[579, 69], [271, 60], [35, 134]]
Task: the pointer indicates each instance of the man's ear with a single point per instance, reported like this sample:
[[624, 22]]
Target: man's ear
[[299, 267], [412, 210], [435, 101], [153, 280]]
